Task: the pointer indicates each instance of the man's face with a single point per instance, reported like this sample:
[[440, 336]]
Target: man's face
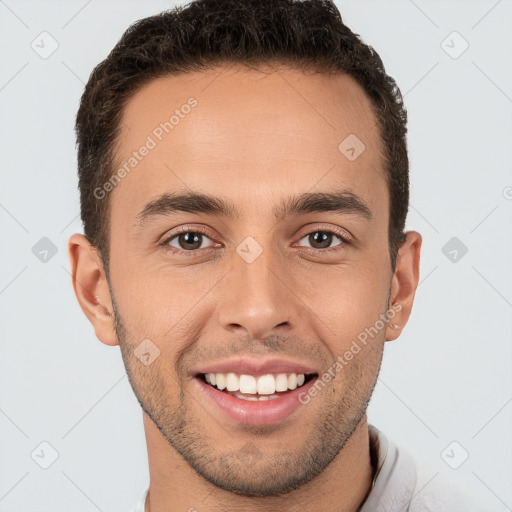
[[254, 141]]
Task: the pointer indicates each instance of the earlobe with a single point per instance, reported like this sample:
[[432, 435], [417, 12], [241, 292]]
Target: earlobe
[[91, 287], [404, 283]]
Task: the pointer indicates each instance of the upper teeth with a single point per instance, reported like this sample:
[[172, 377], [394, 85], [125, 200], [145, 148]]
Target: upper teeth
[[264, 385]]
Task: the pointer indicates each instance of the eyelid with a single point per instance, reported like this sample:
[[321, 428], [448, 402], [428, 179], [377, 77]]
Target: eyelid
[[340, 232], [164, 242]]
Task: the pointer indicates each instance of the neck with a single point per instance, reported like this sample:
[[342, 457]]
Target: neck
[[175, 486]]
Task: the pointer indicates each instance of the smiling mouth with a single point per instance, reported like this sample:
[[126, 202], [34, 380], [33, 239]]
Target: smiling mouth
[[231, 386]]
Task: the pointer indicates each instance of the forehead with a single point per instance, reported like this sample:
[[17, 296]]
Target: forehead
[[248, 135]]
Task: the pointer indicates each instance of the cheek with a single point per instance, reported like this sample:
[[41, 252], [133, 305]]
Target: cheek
[[348, 298], [159, 306]]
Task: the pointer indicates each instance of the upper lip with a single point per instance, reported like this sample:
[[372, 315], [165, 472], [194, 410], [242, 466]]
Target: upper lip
[[254, 367]]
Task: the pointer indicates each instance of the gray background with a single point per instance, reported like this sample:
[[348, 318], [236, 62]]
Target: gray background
[[447, 378]]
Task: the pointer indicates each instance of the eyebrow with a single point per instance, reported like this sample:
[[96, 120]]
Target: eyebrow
[[342, 201]]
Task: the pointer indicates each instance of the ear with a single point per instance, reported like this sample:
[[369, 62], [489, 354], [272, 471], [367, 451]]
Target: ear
[[404, 283], [91, 287]]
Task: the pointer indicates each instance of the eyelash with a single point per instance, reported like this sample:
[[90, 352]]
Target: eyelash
[[345, 239]]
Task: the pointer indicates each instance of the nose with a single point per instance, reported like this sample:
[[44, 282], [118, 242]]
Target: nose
[[256, 300]]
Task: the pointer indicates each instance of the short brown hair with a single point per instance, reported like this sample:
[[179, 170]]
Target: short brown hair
[[300, 34]]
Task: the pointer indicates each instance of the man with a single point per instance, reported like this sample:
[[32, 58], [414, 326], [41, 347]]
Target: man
[[243, 174]]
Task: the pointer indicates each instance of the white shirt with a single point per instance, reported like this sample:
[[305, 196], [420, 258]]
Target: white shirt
[[395, 486]]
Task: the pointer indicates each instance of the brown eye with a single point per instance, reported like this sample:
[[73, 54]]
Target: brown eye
[[322, 239], [187, 241]]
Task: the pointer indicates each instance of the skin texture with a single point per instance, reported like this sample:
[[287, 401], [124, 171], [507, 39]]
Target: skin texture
[[254, 139]]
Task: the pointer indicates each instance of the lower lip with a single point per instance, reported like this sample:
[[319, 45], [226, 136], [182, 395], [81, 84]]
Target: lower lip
[[266, 412]]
